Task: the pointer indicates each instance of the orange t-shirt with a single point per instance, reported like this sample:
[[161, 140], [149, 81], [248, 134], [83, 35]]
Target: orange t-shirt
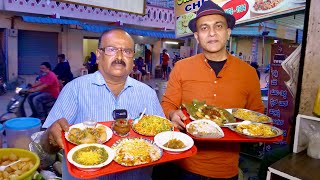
[[237, 86]]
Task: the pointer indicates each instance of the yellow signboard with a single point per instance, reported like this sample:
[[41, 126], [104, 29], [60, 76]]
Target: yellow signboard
[[242, 10]]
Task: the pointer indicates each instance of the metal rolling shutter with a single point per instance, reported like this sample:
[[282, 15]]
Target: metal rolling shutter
[[35, 47]]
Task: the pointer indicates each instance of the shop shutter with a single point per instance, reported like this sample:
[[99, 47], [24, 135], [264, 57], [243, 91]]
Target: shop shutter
[[35, 47]]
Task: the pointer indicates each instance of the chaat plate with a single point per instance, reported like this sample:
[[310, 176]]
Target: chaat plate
[[249, 115], [136, 151], [200, 110], [82, 134], [256, 130], [151, 125]]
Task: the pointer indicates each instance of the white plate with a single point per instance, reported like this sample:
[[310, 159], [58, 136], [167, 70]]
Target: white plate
[[269, 10], [162, 138], [111, 155], [206, 123], [82, 127]]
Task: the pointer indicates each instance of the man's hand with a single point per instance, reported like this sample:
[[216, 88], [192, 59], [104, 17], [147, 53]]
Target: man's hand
[[52, 138], [177, 117]]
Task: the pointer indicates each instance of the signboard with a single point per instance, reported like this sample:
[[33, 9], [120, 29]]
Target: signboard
[[242, 10], [280, 100], [136, 7]]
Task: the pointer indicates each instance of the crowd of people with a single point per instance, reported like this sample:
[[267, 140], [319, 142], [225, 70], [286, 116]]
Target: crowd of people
[[211, 76]]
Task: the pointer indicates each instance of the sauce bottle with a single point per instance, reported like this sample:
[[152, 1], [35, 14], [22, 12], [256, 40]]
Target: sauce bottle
[[316, 107]]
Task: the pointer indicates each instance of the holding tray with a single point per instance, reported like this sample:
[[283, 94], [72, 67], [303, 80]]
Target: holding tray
[[114, 167], [231, 136]]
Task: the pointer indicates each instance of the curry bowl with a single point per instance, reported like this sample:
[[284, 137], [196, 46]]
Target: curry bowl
[[173, 142], [90, 157]]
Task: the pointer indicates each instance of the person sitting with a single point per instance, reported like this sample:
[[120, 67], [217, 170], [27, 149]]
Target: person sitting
[[63, 70], [92, 66], [136, 74], [140, 64], [240, 55], [45, 90]]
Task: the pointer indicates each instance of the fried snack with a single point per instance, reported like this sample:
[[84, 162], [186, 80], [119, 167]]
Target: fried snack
[[88, 135], [17, 169], [152, 125]]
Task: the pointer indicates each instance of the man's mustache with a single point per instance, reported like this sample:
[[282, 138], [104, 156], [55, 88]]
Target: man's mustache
[[118, 61]]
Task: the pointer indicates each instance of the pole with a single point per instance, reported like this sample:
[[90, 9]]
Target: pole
[[262, 50]]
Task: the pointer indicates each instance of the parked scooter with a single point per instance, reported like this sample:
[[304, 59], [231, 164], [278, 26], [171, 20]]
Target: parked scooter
[[15, 107], [3, 87]]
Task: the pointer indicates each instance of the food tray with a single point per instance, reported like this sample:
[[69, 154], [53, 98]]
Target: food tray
[[269, 120], [114, 167], [230, 136]]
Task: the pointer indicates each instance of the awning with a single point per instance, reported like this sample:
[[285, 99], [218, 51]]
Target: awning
[[47, 20], [99, 28], [133, 31]]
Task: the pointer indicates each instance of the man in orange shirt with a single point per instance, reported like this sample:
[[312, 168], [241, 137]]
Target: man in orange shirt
[[218, 78]]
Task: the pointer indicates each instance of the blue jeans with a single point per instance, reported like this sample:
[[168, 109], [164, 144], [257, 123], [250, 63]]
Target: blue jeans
[[37, 100]]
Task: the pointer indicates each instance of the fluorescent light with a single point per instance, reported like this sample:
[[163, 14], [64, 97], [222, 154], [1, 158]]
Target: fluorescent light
[[171, 42]]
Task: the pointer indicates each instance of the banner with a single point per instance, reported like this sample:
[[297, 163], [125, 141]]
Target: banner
[[242, 10], [138, 7], [280, 100]]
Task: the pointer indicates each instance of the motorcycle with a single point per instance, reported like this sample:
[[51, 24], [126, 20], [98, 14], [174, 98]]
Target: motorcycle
[[3, 88], [15, 107]]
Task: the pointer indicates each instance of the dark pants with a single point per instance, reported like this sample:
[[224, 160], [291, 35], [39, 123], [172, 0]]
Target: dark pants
[[37, 101], [173, 171], [271, 157]]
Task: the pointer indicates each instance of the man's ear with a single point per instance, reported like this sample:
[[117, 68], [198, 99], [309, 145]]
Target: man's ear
[[98, 55], [196, 36], [229, 33]]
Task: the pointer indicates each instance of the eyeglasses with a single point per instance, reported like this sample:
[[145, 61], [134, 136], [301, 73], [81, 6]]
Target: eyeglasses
[[111, 51]]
